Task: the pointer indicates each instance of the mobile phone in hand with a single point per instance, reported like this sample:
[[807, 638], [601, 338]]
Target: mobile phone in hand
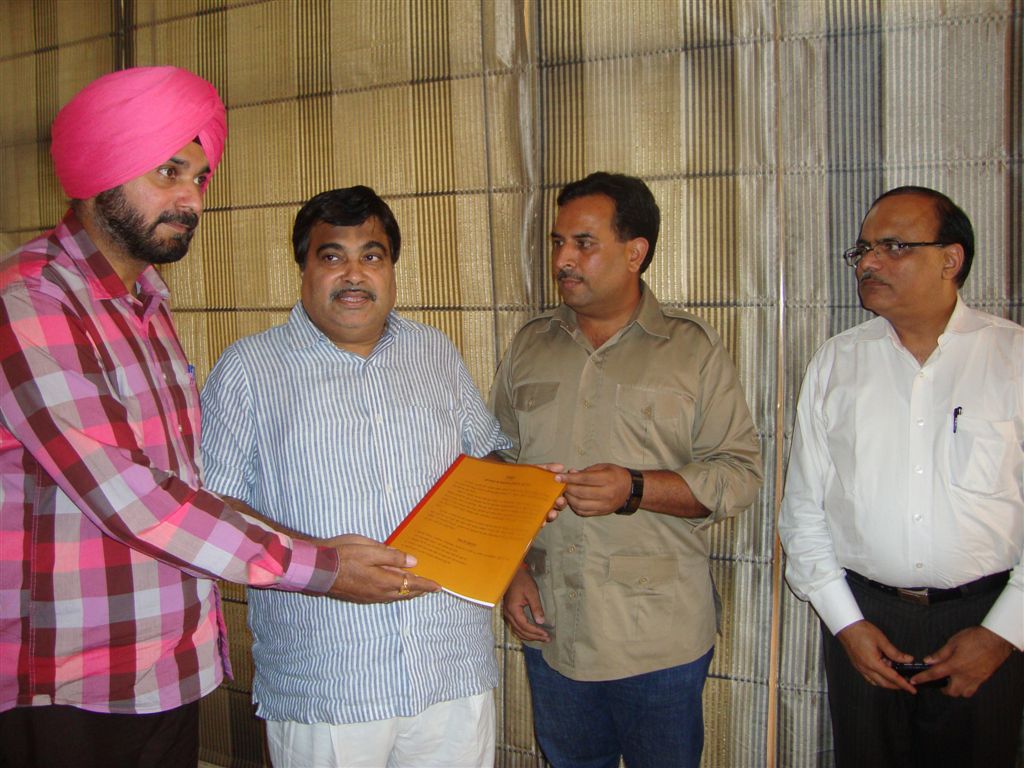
[[911, 668]]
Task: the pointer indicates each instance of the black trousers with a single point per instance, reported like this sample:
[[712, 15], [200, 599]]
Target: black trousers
[[877, 727], [61, 737]]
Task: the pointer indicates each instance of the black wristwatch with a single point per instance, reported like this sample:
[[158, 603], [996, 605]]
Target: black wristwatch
[[636, 493]]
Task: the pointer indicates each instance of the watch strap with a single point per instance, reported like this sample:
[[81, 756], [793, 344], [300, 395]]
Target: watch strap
[[636, 493]]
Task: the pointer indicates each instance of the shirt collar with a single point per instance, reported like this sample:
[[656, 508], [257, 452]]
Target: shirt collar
[[103, 281], [305, 333], [648, 316], [876, 328], [962, 320]]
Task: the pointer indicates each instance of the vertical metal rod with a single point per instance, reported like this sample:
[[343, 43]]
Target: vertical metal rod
[[771, 741], [124, 33]]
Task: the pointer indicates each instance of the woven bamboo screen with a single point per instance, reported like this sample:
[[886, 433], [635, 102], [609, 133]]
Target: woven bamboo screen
[[764, 127]]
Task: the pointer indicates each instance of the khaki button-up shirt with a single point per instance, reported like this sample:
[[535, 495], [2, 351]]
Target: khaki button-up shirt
[[629, 594]]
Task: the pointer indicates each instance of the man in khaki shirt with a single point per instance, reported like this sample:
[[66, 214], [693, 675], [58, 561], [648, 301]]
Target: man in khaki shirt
[[643, 408]]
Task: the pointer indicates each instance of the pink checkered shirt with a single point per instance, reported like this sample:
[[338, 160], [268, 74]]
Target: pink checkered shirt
[[107, 541]]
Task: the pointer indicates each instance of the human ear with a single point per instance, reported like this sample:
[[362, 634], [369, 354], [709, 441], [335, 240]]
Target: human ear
[[952, 260], [636, 250]]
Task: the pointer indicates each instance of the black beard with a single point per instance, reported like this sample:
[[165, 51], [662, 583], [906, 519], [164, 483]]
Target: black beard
[[127, 229]]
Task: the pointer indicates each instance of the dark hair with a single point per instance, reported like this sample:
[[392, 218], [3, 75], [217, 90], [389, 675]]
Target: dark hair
[[348, 207], [954, 225], [636, 212]]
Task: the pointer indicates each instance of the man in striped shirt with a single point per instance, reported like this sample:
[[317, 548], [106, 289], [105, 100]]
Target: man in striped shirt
[[110, 622], [341, 420]]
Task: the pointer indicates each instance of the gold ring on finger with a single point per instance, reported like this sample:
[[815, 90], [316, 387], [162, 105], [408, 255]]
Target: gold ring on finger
[[404, 589]]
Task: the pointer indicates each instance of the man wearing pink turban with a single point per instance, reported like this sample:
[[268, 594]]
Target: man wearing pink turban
[[110, 622]]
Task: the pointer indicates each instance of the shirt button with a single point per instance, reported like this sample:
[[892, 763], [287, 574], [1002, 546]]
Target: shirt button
[[388, 488], [642, 580], [920, 422], [919, 566], [572, 595], [919, 469], [571, 549], [379, 419], [579, 450], [917, 518], [586, 403]]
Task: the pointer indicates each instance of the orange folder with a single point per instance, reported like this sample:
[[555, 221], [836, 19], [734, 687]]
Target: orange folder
[[472, 529]]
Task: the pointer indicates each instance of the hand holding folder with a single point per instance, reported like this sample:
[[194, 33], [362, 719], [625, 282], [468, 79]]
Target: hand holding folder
[[472, 529]]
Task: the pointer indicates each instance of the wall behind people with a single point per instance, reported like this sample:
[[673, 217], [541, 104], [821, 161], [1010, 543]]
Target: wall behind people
[[764, 128]]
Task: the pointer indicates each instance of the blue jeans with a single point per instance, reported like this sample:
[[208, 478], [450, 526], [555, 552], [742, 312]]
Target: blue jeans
[[653, 720]]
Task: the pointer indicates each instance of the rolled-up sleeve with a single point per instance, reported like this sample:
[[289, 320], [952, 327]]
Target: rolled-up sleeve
[[725, 471]]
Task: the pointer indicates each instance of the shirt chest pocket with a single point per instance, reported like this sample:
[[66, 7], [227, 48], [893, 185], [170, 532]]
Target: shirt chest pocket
[[640, 598], [985, 457], [121, 381], [536, 407], [651, 427], [431, 438]]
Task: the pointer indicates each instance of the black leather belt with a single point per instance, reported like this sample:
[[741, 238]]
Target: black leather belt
[[929, 595]]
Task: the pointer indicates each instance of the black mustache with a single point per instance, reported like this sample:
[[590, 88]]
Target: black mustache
[[567, 274], [869, 274], [190, 220], [339, 292]]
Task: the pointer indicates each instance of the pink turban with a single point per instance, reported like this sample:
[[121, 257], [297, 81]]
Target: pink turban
[[125, 124]]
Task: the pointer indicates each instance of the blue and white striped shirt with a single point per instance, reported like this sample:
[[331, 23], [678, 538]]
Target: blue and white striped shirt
[[328, 442]]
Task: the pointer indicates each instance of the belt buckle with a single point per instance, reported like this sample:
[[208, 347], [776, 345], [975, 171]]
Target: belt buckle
[[916, 596]]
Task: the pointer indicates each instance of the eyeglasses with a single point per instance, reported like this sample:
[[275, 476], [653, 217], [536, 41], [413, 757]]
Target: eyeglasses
[[891, 248]]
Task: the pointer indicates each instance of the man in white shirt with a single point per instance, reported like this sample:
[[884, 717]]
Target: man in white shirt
[[903, 518]]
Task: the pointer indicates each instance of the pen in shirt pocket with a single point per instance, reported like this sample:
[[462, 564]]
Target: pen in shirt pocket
[[956, 415]]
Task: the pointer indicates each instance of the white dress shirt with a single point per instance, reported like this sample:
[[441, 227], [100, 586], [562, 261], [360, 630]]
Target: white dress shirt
[[911, 475]]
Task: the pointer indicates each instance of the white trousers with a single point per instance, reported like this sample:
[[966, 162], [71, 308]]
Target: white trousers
[[450, 734]]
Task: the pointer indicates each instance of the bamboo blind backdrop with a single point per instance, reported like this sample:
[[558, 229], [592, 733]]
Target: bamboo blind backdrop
[[764, 127]]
